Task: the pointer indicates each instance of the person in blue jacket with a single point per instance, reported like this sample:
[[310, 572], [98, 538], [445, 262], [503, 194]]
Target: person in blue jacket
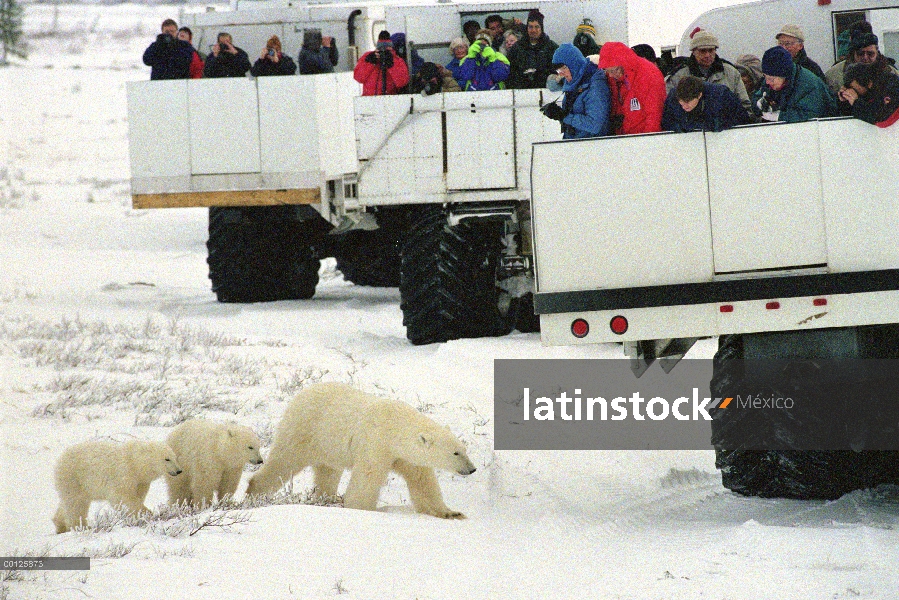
[[413, 60], [483, 68], [696, 105], [584, 112]]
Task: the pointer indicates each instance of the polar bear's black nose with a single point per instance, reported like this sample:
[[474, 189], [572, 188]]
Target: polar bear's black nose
[[259, 462], [178, 472]]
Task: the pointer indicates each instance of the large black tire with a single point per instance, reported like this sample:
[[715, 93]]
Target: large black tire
[[521, 312], [795, 473], [370, 257], [260, 254], [448, 281]]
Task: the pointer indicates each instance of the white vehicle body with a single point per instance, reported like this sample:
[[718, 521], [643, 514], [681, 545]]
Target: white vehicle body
[[760, 228], [243, 142]]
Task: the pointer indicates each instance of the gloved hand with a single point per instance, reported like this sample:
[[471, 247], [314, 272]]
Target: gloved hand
[[615, 122], [488, 53], [554, 111], [475, 49], [766, 104], [372, 58]]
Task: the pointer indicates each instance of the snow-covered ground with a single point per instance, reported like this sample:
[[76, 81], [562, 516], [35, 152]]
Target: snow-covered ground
[[108, 329]]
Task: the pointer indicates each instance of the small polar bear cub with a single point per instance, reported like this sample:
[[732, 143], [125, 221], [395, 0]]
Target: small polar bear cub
[[213, 456], [119, 473], [332, 427]]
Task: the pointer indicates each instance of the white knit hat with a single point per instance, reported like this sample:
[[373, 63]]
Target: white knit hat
[[703, 39]]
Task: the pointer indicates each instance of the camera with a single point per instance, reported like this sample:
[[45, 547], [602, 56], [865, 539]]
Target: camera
[[271, 52], [431, 87]]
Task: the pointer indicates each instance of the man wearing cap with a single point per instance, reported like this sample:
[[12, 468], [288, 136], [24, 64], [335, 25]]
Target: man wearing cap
[[872, 94], [381, 71], [791, 93], [705, 64], [531, 59], [792, 38], [863, 50]]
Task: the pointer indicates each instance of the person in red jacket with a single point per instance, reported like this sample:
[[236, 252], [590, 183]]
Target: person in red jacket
[[638, 89], [381, 71], [197, 62]]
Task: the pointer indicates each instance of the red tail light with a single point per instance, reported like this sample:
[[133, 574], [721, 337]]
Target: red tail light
[[580, 328], [618, 325]]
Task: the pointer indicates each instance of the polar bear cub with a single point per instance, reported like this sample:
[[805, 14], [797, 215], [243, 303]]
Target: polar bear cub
[[213, 456], [119, 473], [332, 427]]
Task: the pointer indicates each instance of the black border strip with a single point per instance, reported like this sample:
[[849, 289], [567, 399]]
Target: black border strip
[[737, 290]]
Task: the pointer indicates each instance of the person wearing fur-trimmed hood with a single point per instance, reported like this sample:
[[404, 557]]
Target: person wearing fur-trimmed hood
[[585, 108]]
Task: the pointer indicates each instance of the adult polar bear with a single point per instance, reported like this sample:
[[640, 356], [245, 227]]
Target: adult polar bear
[[332, 427], [121, 474]]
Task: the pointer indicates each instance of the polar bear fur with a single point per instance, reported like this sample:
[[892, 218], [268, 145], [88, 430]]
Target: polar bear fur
[[213, 456], [332, 427], [119, 473]]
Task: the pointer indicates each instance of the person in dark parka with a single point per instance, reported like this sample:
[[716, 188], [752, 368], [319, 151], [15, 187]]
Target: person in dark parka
[[169, 57], [226, 60], [872, 93], [318, 54], [531, 59], [696, 105], [272, 61]]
